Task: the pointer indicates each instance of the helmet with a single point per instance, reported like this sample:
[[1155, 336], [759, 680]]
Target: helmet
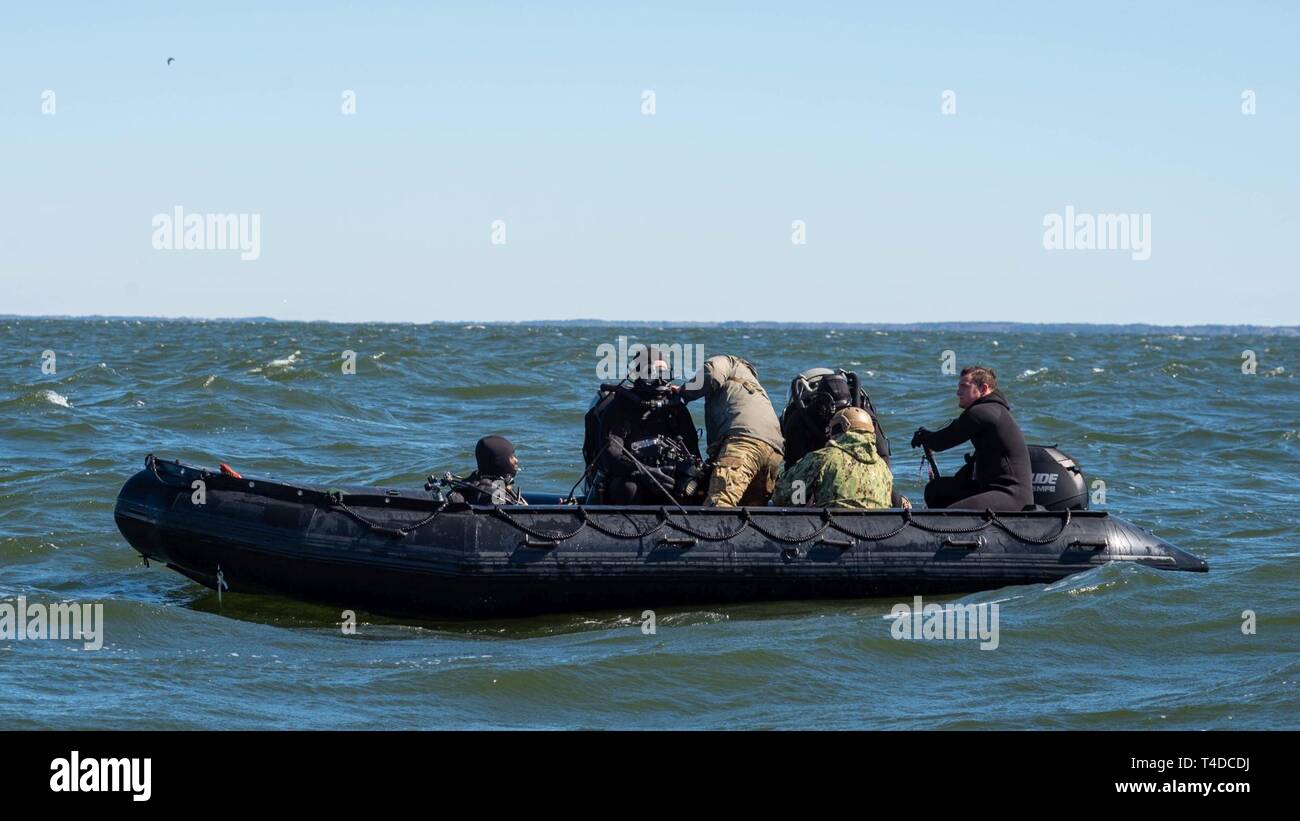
[[851, 419]]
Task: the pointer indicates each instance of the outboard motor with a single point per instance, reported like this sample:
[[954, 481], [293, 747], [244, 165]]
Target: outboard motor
[[1058, 480], [815, 396]]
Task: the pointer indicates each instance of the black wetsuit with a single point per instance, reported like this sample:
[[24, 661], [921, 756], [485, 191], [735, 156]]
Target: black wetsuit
[[626, 416], [1001, 478]]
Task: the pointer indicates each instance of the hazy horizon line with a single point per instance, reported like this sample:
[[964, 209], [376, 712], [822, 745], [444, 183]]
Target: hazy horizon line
[[969, 325]]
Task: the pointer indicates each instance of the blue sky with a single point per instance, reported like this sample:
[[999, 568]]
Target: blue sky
[[766, 113]]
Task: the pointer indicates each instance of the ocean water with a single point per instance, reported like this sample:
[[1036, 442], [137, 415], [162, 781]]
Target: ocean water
[[1187, 444]]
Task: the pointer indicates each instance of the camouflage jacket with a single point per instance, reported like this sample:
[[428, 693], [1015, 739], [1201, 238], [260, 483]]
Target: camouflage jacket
[[846, 473]]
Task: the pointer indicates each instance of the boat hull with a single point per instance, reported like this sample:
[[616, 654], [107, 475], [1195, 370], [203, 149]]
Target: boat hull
[[396, 553]]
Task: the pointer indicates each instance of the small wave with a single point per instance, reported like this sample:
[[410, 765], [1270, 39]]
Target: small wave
[[490, 391], [1090, 588], [1032, 372], [56, 399], [287, 362], [1174, 369]]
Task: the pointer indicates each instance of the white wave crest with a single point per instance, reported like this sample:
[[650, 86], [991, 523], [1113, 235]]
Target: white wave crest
[[287, 362], [56, 399]]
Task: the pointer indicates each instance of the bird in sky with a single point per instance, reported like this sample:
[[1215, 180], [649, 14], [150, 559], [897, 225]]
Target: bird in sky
[[171, 60]]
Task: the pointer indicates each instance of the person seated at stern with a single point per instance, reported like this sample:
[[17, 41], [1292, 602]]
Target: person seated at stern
[[999, 478]]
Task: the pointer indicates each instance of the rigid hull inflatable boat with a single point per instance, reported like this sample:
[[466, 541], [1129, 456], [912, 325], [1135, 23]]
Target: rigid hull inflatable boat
[[403, 553]]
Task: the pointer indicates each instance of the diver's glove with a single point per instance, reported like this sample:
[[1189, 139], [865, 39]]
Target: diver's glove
[[918, 438]]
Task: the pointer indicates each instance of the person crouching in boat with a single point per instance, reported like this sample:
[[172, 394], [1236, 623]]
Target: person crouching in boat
[[493, 483], [999, 478], [848, 472], [745, 441]]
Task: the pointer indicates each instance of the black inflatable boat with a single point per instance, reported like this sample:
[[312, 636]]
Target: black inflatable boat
[[401, 553]]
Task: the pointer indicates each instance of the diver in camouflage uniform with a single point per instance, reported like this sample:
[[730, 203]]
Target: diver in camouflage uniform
[[745, 441], [848, 472]]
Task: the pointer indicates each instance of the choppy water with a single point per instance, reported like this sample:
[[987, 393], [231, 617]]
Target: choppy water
[[1187, 445]]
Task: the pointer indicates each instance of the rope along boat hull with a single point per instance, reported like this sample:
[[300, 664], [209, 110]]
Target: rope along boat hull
[[395, 552]]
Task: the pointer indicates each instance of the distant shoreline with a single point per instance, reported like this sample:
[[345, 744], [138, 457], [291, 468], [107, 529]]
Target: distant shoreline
[[960, 327]]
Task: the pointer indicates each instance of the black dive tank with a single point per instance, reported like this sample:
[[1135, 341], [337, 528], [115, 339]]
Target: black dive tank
[[1058, 480]]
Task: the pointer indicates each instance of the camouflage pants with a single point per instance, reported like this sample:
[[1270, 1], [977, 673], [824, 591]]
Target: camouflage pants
[[744, 473]]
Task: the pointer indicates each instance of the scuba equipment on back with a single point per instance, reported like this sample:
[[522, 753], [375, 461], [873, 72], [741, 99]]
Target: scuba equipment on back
[[815, 396], [670, 454], [473, 490]]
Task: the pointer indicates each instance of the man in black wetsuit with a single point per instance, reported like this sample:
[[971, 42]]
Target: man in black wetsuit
[[494, 481], [999, 478], [642, 423]]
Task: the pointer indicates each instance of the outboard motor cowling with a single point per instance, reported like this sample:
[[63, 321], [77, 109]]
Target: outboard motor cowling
[[1057, 479]]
